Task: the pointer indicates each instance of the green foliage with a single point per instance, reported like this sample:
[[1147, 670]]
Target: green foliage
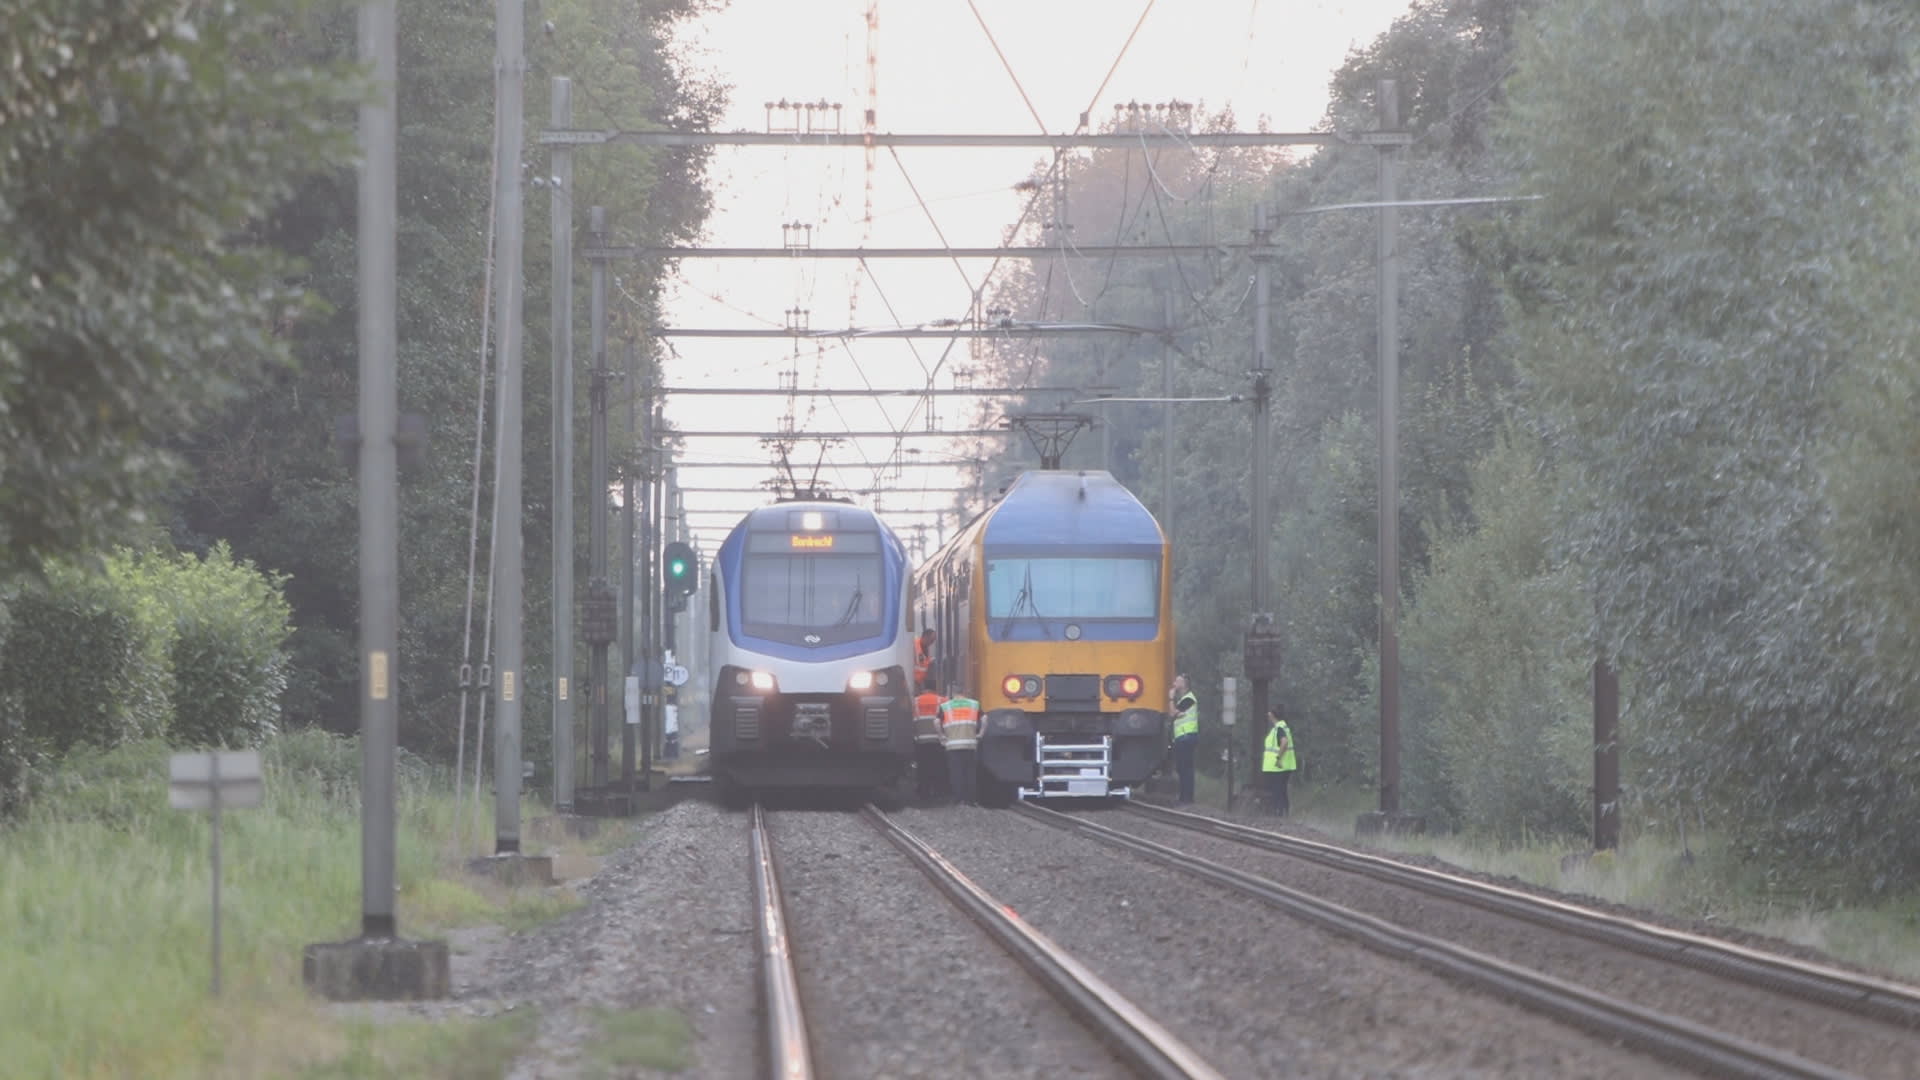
[[1495, 663], [134, 155], [472, 1049], [266, 478], [103, 915], [1695, 302], [226, 651], [85, 664], [643, 1038], [140, 646]]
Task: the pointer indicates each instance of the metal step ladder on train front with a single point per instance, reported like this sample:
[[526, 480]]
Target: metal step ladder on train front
[[1073, 766]]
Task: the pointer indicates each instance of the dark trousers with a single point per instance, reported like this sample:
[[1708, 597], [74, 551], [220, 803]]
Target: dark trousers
[[963, 772], [1183, 751], [929, 770], [1277, 791]]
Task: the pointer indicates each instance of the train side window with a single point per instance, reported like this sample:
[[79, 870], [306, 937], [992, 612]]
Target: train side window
[[713, 602]]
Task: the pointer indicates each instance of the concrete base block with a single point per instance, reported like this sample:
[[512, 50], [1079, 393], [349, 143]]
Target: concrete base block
[[1374, 822], [378, 969], [604, 802], [515, 868]]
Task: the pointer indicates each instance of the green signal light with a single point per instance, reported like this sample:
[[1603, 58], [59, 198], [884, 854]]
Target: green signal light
[[676, 568]]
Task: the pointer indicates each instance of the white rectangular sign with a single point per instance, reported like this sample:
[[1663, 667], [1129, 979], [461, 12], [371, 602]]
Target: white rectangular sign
[[191, 779], [633, 699], [1229, 700]]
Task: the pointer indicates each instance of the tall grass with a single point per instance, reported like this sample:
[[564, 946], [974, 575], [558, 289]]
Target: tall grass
[[1652, 870], [105, 899]]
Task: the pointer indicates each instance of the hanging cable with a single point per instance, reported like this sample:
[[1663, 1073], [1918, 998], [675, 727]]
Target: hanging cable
[[473, 509]]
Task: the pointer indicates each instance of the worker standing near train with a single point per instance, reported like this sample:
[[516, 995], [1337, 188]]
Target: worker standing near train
[[960, 732], [929, 759], [923, 659], [1278, 762], [1186, 735]]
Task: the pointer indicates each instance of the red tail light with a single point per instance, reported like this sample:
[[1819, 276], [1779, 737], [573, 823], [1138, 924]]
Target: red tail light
[[1122, 687], [1017, 687]]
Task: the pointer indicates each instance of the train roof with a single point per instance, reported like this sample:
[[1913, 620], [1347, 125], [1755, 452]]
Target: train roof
[[839, 517], [1071, 507]]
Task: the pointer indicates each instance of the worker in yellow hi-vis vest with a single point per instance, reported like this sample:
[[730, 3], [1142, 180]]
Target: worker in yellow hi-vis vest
[[1186, 734], [1278, 762]]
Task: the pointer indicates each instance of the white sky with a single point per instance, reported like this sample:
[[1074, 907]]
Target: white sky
[[937, 72]]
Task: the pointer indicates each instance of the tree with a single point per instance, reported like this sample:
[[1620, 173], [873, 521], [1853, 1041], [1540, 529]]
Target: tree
[[266, 476], [134, 157], [1717, 183]]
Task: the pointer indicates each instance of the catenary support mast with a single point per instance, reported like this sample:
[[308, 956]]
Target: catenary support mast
[[562, 214]]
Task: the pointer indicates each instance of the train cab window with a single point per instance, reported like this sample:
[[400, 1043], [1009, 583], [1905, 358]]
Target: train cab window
[[1073, 588], [828, 587]]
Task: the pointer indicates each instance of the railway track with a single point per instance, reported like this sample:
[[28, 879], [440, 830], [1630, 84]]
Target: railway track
[[789, 1049], [1675, 1039], [1134, 1037], [1863, 994]]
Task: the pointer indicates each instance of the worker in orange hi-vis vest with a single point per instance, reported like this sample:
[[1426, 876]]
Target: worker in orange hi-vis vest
[[923, 659], [929, 757], [960, 731]]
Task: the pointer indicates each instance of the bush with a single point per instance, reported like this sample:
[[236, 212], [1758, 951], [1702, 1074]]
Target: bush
[[1495, 663], [138, 647], [229, 626], [84, 664]]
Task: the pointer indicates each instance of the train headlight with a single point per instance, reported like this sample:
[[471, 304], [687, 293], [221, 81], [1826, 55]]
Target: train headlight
[[860, 680], [1010, 686], [762, 680]]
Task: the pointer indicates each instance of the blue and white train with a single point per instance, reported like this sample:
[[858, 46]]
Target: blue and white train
[[811, 650]]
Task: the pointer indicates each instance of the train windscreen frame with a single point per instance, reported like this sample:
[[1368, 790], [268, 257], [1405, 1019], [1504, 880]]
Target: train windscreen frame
[[813, 588], [1076, 588]]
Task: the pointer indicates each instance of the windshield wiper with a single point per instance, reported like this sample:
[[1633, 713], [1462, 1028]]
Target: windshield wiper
[[853, 604], [1024, 598]]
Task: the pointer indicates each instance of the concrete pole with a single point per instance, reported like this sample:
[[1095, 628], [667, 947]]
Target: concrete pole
[[562, 191], [597, 498], [1387, 101], [1261, 499], [379, 472], [1606, 756], [509, 629], [650, 587], [1166, 412], [628, 514]]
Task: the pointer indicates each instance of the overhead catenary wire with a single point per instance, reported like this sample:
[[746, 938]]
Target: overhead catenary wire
[[473, 514]]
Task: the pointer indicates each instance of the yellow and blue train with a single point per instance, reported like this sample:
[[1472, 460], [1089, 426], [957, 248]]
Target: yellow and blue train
[[1054, 609]]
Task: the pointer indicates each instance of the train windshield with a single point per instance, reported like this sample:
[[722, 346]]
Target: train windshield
[[1079, 588], [837, 596]]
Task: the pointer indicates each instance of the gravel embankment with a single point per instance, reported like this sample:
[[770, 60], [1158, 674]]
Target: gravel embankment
[[668, 923], [1257, 993], [1815, 1032], [896, 981]]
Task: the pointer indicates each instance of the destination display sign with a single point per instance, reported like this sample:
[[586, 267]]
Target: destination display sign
[[814, 540]]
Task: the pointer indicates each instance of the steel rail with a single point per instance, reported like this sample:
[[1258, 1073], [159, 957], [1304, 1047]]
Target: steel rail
[[1137, 1038], [1681, 1041], [1881, 998], [789, 1051]]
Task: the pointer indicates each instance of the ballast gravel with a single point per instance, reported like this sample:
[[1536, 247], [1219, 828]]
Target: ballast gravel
[[668, 923], [896, 981], [1255, 992], [1858, 1045]]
